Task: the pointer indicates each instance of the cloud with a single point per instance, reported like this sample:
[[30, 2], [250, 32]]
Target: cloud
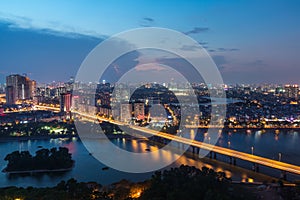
[[220, 61], [203, 43], [194, 47], [189, 47], [196, 30], [183, 67], [120, 66], [226, 49], [147, 22], [150, 67], [148, 19], [255, 64], [50, 27], [221, 49]]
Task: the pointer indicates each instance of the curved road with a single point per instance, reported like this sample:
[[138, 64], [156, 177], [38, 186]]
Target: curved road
[[221, 150]]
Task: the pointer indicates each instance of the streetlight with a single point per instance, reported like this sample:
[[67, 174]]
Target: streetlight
[[279, 157], [229, 144], [252, 149]]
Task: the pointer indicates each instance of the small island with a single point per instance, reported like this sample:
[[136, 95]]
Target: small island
[[45, 160]]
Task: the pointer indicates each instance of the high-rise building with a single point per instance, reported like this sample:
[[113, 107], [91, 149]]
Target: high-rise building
[[65, 102], [291, 91], [279, 91], [139, 110], [10, 96], [19, 88], [32, 86], [125, 112]]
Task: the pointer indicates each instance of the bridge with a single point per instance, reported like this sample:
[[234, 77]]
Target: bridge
[[285, 167], [242, 127], [49, 108]]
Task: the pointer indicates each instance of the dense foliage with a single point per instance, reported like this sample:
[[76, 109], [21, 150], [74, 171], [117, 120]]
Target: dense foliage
[[44, 159], [70, 190], [180, 183], [52, 128], [191, 183]]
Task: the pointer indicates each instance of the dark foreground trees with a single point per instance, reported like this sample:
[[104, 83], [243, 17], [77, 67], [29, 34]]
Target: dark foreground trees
[[65, 190], [45, 159], [180, 183], [191, 183]]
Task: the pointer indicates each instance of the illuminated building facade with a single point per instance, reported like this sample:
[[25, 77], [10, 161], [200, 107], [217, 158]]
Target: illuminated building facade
[[291, 91], [139, 111], [65, 102], [19, 88], [125, 112]]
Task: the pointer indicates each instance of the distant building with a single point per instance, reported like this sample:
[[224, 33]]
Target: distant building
[[19, 88], [10, 95], [139, 111], [279, 91], [75, 102], [65, 102], [106, 111], [247, 90], [125, 112], [116, 111], [291, 91]]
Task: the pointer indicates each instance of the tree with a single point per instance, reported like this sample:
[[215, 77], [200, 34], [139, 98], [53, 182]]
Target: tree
[[191, 183], [43, 160]]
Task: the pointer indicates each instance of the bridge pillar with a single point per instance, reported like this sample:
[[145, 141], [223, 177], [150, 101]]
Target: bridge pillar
[[193, 149], [234, 161], [215, 155], [283, 175], [210, 154], [230, 160], [255, 167], [198, 150]]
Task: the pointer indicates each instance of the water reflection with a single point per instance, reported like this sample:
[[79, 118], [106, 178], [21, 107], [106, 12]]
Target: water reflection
[[257, 134], [266, 143], [285, 148]]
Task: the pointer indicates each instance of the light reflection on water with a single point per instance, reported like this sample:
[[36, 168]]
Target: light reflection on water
[[89, 169], [265, 143]]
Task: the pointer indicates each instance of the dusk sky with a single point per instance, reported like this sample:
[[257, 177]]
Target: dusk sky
[[254, 41]]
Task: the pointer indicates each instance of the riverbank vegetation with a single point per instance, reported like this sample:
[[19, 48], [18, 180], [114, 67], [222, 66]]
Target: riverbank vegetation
[[43, 161], [53, 128], [180, 183]]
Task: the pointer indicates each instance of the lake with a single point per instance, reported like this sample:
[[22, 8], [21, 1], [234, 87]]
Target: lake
[[87, 168]]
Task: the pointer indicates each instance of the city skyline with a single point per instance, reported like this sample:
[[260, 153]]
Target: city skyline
[[149, 99], [250, 42]]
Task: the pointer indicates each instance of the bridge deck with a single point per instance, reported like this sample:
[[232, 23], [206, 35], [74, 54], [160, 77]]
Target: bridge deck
[[221, 150]]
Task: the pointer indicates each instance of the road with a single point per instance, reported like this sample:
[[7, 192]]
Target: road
[[220, 150]]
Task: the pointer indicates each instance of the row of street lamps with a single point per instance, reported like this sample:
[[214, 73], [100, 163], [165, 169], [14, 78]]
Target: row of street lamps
[[252, 149], [279, 154]]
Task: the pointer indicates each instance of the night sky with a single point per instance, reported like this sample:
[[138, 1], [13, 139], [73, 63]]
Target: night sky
[[250, 41]]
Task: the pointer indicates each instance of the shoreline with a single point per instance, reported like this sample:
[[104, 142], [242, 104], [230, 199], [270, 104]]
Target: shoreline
[[37, 171], [258, 177], [205, 160], [116, 136], [46, 137], [35, 137]]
